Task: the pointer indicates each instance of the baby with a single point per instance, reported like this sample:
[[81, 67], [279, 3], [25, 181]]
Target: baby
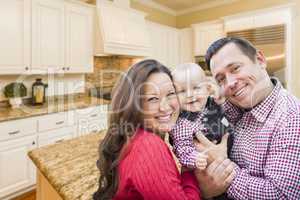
[[199, 113]]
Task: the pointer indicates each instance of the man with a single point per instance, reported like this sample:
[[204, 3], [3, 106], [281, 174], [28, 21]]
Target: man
[[266, 149]]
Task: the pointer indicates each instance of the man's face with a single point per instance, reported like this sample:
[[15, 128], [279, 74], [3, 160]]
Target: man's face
[[243, 81]]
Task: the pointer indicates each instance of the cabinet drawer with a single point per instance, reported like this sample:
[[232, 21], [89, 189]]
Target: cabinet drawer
[[17, 128], [92, 126], [56, 136], [55, 121], [91, 113]]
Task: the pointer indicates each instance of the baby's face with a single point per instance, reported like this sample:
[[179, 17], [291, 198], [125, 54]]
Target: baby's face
[[192, 92]]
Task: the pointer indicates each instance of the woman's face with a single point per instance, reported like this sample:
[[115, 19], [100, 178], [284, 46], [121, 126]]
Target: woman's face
[[160, 107]]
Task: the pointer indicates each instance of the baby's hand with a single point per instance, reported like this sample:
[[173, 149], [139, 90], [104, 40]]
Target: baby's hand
[[201, 161]]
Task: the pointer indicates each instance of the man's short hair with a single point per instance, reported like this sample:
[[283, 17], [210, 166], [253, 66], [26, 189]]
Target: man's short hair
[[244, 45]]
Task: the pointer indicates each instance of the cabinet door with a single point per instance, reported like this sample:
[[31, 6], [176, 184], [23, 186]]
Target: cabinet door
[[114, 24], [186, 45], [16, 169], [237, 24], [48, 35], [79, 38], [56, 136], [206, 34], [14, 36]]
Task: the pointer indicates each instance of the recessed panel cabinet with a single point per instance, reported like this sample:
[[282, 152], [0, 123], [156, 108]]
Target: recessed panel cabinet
[[48, 42], [78, 38], [45, 36], [14, 36], [16, 169]]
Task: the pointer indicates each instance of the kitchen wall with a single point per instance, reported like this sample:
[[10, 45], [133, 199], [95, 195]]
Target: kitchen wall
[[57, 84], [107, 71]]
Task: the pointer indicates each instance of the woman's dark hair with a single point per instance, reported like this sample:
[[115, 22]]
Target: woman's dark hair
[[124, 119], [244, 45]]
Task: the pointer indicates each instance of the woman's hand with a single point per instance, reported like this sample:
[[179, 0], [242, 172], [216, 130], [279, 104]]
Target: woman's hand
[[214, 151]]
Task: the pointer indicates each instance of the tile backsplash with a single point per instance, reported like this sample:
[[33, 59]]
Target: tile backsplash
[[107, 70]]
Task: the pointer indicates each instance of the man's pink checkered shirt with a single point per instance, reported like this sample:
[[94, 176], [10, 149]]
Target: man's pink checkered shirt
[[267, 148]]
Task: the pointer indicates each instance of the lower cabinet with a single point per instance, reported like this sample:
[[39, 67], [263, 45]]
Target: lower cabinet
[[56, 136], [16, 169], [92, 119], [17, 172]]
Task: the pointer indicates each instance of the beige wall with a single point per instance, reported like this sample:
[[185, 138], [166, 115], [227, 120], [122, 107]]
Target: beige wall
[[155, 15]]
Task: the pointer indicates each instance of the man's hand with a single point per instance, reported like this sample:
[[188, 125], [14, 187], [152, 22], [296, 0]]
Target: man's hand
[[214, 151], [216, 178]]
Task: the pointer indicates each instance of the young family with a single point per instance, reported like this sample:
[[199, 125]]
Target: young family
[[257, 124]]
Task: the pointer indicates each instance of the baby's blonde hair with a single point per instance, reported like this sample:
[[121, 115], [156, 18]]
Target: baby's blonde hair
[[187, 70]]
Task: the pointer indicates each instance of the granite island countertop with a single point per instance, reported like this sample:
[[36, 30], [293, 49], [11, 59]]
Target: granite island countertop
[[57, 105], [70, 166]]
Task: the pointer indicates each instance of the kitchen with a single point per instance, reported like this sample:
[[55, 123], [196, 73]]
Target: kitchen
[[79, 49]]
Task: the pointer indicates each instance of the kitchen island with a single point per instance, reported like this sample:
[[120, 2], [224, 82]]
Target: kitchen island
[[68, 170]]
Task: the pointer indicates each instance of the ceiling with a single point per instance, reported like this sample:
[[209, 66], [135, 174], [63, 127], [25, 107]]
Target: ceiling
[[179, 5]]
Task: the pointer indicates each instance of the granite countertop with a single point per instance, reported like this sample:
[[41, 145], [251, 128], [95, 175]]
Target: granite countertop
[[54, 106], [70, 166]]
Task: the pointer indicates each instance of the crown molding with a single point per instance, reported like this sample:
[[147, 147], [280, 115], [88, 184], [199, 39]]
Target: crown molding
[[205, 6], [173, 12], [157, 6]]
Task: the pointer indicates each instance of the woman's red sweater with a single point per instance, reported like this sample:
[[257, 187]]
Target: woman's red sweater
[[148, 171]]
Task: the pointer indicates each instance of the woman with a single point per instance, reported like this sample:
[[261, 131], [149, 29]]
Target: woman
[[135, 163]]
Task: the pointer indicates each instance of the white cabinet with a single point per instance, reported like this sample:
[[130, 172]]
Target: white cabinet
[[165, 44], [120, 30], [17, 128], [14, 36], [16, 169], [186, 45], [55, 121], [48, 26], [78, 38], [92, 119], [237, 24], [205, 34], [56, 136], [45, 36], [256, 19]]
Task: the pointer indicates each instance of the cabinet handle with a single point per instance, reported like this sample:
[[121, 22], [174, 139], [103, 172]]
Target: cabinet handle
[[60, 122], [94, 115], [58, 141], [14, 132]]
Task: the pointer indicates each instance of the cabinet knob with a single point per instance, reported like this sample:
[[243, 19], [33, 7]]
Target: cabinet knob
[[68, 68], [64, 68], [33, 143], [26, 68]]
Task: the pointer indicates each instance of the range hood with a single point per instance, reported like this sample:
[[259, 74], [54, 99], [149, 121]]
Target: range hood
[[120, 30]]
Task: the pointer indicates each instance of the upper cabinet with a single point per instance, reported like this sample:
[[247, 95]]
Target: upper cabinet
[[165, 44], [78, 38], [205, 34], [256, 19], [14, 36], [48, 41], [120, 30], [46, 36], [186, 45]]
